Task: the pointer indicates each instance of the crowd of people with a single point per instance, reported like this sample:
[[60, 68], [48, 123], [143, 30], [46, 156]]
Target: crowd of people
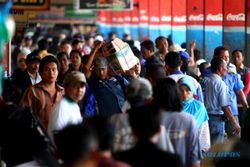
[[170, 109]]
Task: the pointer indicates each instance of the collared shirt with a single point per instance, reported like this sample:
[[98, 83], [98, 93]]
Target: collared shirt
[[35, 80], [216, 94], [40, 101], [234, 84]]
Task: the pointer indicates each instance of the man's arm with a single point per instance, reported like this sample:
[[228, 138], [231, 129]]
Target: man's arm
[[228, 113], [242, 98]]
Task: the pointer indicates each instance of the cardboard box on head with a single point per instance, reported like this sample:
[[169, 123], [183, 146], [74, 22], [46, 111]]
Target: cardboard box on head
[[120, 56]]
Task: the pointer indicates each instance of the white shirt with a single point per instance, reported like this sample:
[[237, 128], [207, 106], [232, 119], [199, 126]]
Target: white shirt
[[63, 113]]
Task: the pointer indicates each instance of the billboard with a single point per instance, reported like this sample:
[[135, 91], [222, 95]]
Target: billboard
[[105, 4], [30, 5]]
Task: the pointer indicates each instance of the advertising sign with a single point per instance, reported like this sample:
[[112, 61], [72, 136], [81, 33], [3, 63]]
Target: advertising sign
[[105, 4], [29, 5]]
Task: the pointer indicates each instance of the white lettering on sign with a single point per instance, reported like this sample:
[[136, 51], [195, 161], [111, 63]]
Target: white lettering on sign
[[114, 19], [127, 18], [103, 18], [144, 18], [235, 17], [199, 17], [135, 19], [154, 19], [120, 19], [166, 18], [216, 17], [180, 19]]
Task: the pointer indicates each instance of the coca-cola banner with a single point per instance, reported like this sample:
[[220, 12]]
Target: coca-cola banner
[[154, 19], [195, 22], [234, 12], [179, 21], [135, 20], [213, 27], [234, 24], [165, 17], [143, 19]]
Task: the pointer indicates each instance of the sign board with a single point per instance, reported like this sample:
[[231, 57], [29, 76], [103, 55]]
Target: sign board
[[29, 5], [105, 4]]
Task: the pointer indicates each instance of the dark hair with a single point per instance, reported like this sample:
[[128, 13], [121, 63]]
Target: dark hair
[[216, 63], [237, 50], [43, 44], [144, 121], [104, 130], [156, 72], [148, 44], [218, 50], [166, 95], [184, 66], [48, 59], [75, 142], [197, 54], [160, 38], [173, 59], [61, 54], [76, 51]]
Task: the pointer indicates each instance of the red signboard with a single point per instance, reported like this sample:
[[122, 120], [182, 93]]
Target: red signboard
[[179, 12], [195, 12], [213, 12], [154, 12], [248, 12], [165, 12], [143, 11], [135, 13], [234, 12]]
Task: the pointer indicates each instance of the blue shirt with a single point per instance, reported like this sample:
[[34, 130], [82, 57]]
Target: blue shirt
[[109, 94], [234, 84], [216, 94]]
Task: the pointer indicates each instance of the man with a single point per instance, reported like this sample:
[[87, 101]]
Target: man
[[161, 44], [216, 101], [41, 97], [23, 79], [235, 88], [244, 72], [66, 111]]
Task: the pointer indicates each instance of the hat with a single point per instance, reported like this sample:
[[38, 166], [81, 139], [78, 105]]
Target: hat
[[200, 61], [178, 48], [100, 62], [73, 78], [184, 54], [33, 57]]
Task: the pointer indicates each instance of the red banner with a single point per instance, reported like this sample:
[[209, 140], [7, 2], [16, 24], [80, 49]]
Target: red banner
[[179, 12], [195, 10], [165, 12], [213, 12], [135, 13], [234, 12], [154, 12], [143, 11]]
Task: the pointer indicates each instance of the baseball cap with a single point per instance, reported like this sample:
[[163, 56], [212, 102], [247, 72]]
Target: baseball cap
[[184, 54], [73, 78], [33, 56], [100, 62]]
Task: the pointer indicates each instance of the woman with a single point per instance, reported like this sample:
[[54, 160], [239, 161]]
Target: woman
[[197, 109], [180, 126]]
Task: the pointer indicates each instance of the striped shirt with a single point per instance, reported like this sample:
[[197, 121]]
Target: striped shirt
[[40, 101]]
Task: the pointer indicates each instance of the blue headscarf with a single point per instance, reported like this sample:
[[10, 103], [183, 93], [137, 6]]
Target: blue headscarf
[[191, 105]]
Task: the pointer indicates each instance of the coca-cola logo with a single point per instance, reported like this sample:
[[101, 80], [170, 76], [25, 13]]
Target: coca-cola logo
[[199, 17], [235, 17], [103, 18], [120, 19], [127, 18], [144, 18], [114, 19], [215, 17], [166, 18], [180, 19], [135, 19], [154, 19]]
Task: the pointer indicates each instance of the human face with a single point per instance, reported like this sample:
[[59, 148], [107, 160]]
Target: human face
[[64, 62], [238, 59], [66, 48], [146, 53], [225, 56], [223, 69], [102, 73], [75, 60], [50, 73], [33, 66], [162, 45], [21, 64], [185, 92], [76, 92]]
